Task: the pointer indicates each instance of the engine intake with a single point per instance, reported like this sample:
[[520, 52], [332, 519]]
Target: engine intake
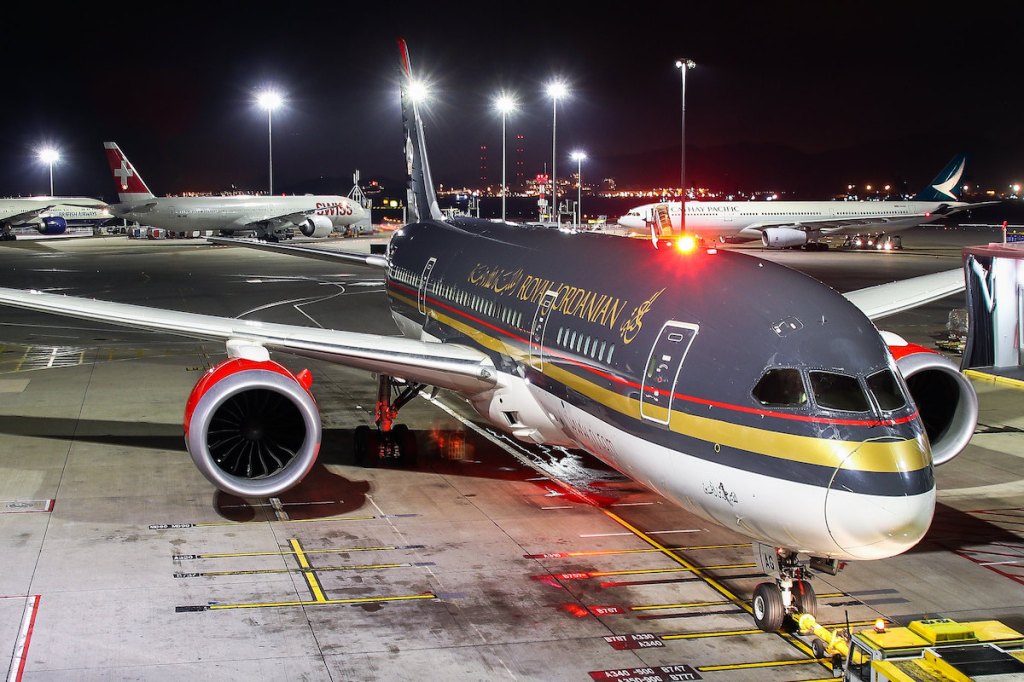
[[944, 397], [252, 427]]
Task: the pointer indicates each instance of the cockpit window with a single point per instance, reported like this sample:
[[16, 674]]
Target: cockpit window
[[886, 390], [838, 392], [781, 387]]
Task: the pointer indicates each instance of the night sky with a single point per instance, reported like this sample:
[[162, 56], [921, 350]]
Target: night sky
[[782, 91]]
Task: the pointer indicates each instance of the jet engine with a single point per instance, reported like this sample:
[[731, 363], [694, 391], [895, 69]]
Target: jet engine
[[52, 225], [252, 427], [783, 237], [317, 226], [944, 396]]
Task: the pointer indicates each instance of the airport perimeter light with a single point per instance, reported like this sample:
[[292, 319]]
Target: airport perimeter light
[[579, 157], [506, 104], [49, 156], [556, 90], [270, 100], [683, 65]]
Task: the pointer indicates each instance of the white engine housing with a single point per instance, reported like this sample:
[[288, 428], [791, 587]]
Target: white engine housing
[[252, 427], [945, 398], [783, 237], [317, 226]]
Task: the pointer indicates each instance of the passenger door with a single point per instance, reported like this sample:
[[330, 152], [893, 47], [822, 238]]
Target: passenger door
[[663, 367]]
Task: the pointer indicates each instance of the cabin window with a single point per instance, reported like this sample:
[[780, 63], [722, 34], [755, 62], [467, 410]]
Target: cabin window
[[781, 387], [886, 390], [838, 392]]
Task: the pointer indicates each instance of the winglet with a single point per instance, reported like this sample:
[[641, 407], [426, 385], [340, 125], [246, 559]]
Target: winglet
[[130, 186], [422, 200], [946, 185]]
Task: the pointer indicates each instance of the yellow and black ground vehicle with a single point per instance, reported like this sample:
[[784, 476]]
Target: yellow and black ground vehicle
[[925, 650]]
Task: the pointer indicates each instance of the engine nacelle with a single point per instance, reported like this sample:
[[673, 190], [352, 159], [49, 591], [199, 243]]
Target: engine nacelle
[[945, 398], [783, 237], [318, 226], [52, 225], [252, 427]]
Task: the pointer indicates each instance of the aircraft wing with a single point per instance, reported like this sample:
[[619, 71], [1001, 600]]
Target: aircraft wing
[[887, 299], [444, 365], [277, 220], [830, 225], [374, 260], [18, 218]]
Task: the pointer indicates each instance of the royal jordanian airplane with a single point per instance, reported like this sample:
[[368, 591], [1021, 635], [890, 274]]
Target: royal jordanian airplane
[[50, 215], [786, 417], [787, 224], [269, 217]]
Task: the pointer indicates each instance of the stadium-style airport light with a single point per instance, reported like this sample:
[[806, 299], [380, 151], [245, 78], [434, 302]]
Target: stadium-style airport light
[[579, 157], [270, 100], [418, 91], [49, 156], [506, 104], [683, 65], [556, 90]]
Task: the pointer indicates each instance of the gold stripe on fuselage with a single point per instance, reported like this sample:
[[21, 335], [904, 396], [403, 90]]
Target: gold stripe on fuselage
[[870, 456]]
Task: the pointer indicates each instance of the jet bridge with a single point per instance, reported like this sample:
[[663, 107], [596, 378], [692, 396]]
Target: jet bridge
[[994, 274]]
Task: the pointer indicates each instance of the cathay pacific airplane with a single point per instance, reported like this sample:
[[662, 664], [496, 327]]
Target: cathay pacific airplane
[[787, 224], [50, 215], [268, 217], [786, 417]]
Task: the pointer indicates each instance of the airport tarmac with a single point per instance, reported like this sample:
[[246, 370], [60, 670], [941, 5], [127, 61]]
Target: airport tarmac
[[487, 560]]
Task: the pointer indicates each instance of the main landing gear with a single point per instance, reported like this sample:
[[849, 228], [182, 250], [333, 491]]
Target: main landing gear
[[388, 442], [791, 594]]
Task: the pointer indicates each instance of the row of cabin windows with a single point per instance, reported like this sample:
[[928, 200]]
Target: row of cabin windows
[[786, 387], [584, 344], [480, 304]]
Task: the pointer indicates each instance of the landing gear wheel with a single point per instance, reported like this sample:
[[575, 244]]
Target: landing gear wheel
[[768, 609], [804, 599], [366, 446], [405, 440]]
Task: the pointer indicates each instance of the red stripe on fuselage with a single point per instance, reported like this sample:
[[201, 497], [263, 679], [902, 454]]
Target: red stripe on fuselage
[[629, 384]]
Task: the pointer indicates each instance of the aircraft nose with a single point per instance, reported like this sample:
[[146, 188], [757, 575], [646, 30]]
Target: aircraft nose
[[632, 222], [882, 511]]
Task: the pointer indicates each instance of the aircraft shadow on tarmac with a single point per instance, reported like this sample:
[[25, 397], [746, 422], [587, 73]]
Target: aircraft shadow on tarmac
[[571, 475]]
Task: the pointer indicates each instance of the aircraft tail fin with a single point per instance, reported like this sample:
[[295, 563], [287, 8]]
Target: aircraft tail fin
[[130, 186], [946, 185], [422, 200]]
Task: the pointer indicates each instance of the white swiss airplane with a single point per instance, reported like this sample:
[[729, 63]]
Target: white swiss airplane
[[788, 418], [50, 215], [269, 217], [785, 224]]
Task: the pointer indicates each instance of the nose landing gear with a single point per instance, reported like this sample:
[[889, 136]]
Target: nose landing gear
[[790, 595]]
